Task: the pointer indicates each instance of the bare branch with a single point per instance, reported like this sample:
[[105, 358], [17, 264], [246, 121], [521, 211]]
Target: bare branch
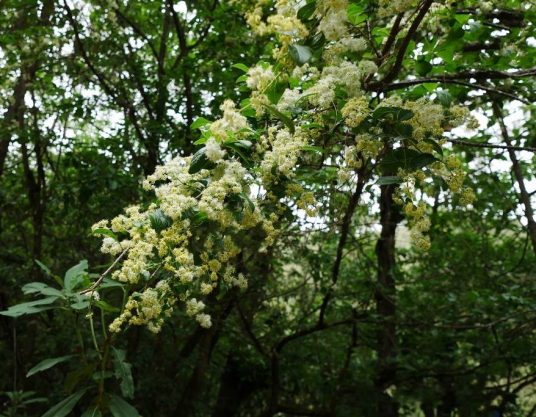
[[101, 278], [488, 145]]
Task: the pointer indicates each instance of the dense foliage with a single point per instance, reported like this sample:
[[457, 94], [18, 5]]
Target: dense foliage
[[257, 208]]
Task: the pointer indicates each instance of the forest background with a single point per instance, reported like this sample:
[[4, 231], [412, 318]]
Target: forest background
[[346, 241]]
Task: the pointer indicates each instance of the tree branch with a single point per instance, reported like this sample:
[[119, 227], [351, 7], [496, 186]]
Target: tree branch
[[402, 50], [488, 145], [101, 278]]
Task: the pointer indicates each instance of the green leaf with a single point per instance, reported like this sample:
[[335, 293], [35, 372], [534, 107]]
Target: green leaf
[[241, 67], [275, 92], [243, 143], [103, 305], [312, 126], [47, 364], [41, 288], [462, 18], [313, 149], [423, 67], [389, 180], [81, 304], [355, 14], [111, 283], [106, 232], [422, 160], [306, 12], [30, 308], [435, 145], [199, 218], [120, 408], [404, 130], [444, 98], [430, 87], [43, 267], [123, 372], [63, 408], [200, 161], [99, 375], [399, 114], [286, 120], [300, 53], [201, 141], [159, 221], [399, 158], [245, 197], [92, 412], [73, 276], [200, 122], [237, 149]]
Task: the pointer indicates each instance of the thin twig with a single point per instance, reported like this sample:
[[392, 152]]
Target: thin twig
[[487, 145], [98, 282]]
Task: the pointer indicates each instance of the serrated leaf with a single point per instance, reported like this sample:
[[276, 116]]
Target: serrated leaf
[[123, 372], [120, 408], [47, 364], [64, 407], [389, 180], [241, 67], [200, 122], [286, 120], [30, 308], [41, 288], [300, 53], [74, 276], [200, 161]]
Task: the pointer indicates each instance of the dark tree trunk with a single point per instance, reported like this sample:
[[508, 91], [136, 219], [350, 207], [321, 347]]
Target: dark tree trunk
[[233, 390], [385, 303]]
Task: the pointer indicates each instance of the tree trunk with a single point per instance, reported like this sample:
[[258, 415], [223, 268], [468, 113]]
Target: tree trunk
[[385, 304]]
